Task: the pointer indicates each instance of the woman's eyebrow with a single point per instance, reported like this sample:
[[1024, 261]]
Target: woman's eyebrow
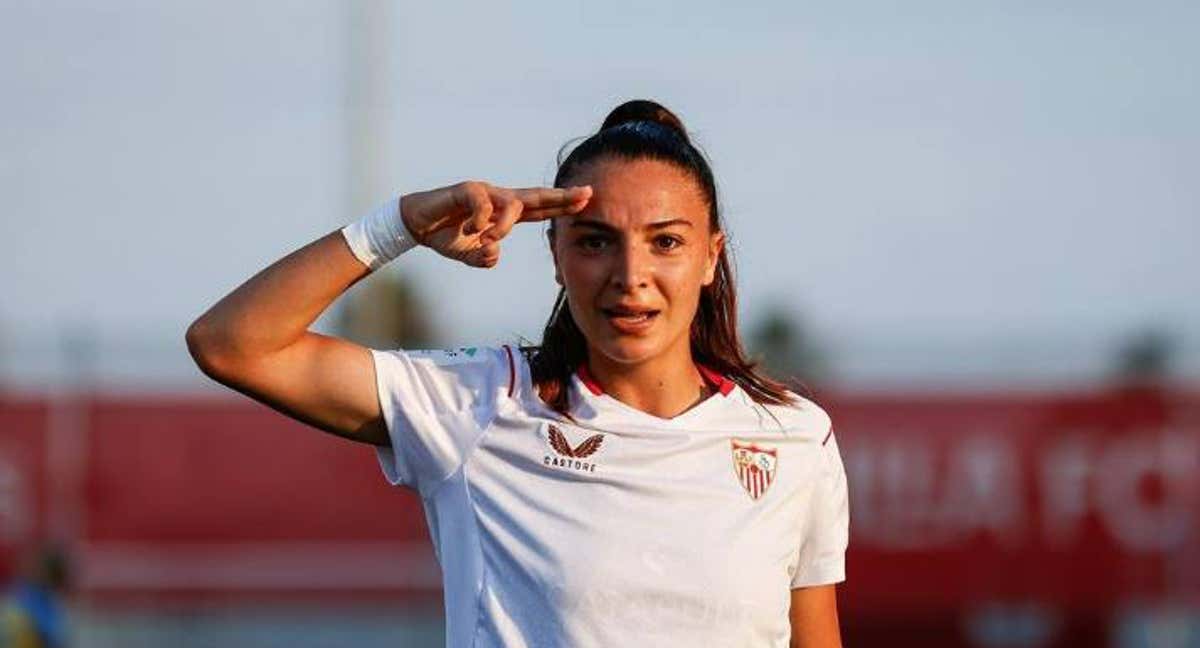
[[668, 223], [605, 227], [592, 224]]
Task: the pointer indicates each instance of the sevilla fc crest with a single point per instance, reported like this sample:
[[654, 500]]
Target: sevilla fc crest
[[755, 466]]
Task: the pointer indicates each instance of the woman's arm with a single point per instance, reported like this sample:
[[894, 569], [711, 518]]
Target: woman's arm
[[814, 619], [256, 339]]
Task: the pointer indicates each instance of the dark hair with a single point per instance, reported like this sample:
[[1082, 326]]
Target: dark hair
[[635, 130]]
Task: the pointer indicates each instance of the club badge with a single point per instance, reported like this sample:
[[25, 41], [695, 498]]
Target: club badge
[[755, 466]]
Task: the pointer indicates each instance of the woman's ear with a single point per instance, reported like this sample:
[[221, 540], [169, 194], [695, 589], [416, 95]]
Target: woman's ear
[[716, 243]]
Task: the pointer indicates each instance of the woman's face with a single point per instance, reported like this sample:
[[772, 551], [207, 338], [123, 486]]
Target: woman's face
[[634, 260]]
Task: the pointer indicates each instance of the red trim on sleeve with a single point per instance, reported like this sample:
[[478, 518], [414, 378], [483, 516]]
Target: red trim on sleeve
[[512, 371], [828, 435]]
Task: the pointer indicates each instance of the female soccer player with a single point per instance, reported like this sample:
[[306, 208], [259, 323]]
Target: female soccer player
[[633, 480]]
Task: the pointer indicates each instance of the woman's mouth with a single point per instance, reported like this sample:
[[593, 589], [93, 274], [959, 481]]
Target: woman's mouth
[[630, 321]]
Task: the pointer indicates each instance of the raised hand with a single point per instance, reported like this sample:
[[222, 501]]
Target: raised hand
[[466, 221]]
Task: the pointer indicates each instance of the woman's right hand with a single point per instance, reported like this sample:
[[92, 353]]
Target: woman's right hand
[[466, 221], [256, 339]]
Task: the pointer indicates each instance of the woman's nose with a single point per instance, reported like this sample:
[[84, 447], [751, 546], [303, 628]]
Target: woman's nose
[[632, 267]]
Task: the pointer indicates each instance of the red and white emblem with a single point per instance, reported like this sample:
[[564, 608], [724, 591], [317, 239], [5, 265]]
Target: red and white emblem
[[755, 466]]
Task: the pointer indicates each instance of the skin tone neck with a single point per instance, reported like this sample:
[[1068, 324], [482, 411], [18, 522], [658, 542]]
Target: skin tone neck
[[665, 386]]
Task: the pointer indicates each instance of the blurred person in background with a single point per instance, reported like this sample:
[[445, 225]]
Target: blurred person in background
[[634, 477], [32, 613]]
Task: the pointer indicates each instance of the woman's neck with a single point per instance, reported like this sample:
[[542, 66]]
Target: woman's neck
[[666, 386]]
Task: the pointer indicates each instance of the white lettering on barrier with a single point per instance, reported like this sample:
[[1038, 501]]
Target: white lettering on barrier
[[1146, 490], [916, 492], [907, 493]]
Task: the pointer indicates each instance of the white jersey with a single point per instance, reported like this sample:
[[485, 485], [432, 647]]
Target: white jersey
[[620, 528]]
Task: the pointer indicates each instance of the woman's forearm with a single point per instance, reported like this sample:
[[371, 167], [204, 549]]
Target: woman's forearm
[[274, 308]]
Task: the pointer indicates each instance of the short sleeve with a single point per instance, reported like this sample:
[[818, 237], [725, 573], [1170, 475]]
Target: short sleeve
[[823, 549], [436, 404]]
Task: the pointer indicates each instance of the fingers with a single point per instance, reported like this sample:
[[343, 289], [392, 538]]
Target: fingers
[[547, 202], [510, 213], [485, 256], [474, 199], [489, 213]]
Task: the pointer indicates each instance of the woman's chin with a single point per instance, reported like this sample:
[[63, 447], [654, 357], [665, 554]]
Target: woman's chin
[[628, 351]]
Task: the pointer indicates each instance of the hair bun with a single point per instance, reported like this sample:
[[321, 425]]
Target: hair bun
[[644, 110]]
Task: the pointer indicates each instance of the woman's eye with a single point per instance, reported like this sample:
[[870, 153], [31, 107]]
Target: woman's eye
[[667, 242], [592, 243]]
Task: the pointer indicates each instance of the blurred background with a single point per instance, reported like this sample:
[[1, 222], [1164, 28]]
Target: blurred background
[[969, 229]]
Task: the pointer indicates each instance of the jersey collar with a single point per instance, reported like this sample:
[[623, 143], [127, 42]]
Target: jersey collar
[[718, 381]]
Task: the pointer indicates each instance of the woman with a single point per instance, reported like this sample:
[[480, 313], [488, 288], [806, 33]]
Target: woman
[[631, 481]]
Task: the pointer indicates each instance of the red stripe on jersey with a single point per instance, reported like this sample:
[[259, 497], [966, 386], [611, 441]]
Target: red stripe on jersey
[[586, 377], [719, 382], [512, 371], [828, 435]]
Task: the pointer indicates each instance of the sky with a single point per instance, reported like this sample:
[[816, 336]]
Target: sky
[[935, 189]]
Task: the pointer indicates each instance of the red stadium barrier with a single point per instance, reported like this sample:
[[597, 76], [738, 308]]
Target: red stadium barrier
[[1082, 500], [1021, 519], [24, 484], [968, 512]]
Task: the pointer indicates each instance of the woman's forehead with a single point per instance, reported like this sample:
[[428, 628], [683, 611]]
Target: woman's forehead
[[634, 194]]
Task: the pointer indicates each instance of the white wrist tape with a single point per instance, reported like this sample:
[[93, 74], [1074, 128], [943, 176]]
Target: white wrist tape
[[380, 236]]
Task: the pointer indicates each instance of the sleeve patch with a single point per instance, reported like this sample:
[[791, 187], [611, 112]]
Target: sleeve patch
[[447, 357]]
